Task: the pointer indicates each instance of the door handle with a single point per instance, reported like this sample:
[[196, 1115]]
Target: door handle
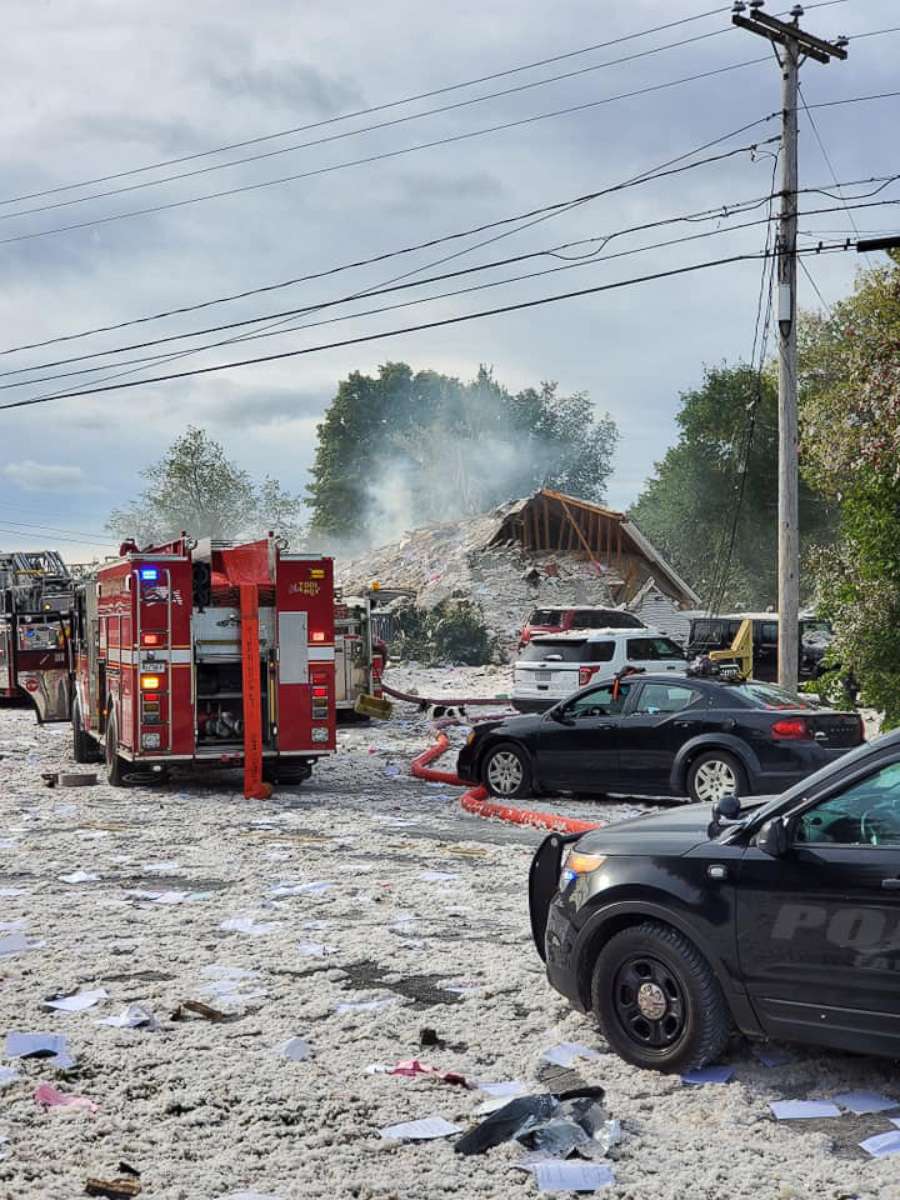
[[681, 725], [613, 727], [891, 885]]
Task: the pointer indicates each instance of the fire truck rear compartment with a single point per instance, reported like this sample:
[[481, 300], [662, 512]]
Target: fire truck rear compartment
[[219, 678]]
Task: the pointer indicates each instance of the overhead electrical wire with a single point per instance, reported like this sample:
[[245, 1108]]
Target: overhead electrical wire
[[444, 141], [380, 336], [55, 529], [364, 112], [589, 259], [649, 176]]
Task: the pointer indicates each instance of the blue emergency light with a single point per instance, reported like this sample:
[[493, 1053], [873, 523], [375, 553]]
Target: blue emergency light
[[150, 574]]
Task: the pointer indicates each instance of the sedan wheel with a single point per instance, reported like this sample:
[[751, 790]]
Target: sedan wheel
[[714, 775], [506, 772]]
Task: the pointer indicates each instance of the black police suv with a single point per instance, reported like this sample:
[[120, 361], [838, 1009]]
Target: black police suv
[[659, 735], [780, 919]]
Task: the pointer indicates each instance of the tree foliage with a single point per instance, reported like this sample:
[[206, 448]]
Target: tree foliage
[[402, 448], [195, 487], [687, 508], [851, 440]]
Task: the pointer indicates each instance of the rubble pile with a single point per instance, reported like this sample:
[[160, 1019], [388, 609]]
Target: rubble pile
[[455, 561]]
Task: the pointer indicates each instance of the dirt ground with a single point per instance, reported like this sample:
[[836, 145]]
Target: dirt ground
[[207, 1110]]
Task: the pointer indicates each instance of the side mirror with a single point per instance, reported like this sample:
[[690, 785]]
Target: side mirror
[[728, 808], [772, 838], [559, 714]]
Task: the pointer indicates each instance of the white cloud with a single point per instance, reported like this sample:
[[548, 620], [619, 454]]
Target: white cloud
[[33, 476]]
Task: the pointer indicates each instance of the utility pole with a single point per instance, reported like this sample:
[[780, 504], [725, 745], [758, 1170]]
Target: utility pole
[[796, 46]]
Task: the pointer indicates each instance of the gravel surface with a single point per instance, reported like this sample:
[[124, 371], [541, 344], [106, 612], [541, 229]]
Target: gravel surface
[[206, 1109]]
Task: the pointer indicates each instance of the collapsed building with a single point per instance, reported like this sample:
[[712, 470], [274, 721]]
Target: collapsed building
[[542, 551]]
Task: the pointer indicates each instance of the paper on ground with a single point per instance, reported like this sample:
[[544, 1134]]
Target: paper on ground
[[7, 1076], [798, 1110], [295, 1049], [248, 925], [882, 1144], [366, 1005], [567, 1053], [708, 1075], [10, 892], [420, 1131], [17, 942], [160, 868], [79, 1002], [315, 949], [54, 1045], [315, 888], [250, 1196], [438, 876], [506, 1087], [135, 1016], [571, 1176], [865, 1102], [80, 877]]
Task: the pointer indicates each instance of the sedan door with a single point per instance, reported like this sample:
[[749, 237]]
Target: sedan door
[[578, 744], [819, 927], [661, 719]]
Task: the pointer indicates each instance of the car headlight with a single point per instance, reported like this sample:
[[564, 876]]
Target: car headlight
[[578, 864]]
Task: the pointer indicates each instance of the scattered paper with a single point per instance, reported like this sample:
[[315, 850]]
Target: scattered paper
[[169, 897], [865, 1102], [507, 1087], [708, 1075], [48, 1096], [315, 925], [80, 877], [10, 893], [7, 1076], [43, 1045], [571, 1176], [295, 1049], [79, 1002], [160, 868], [568, 1053], [248, 925], [771, 1056], [798, 1110], [17, 942], [250, 1196], [438, 876], [366, 1005], [315, 949], [314, 888], [135, 1016], [882, 1144], [420, 1131]]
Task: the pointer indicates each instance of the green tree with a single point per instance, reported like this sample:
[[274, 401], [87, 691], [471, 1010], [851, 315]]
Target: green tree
[[195, 487], [687, 507], [402, 448], [851, 441]]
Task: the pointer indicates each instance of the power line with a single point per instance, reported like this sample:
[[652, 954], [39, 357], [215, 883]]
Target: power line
[[648, 177], [57, 537], [444, 141], [855, 99], [371, 337], [805, 269], [365, 112], [590, 259], [335, 137], [54, 529]]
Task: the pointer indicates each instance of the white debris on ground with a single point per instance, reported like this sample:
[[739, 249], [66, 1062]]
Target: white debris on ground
[[276, 1098]]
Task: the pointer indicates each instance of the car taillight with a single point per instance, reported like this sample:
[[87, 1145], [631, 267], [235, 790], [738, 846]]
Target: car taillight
[[791, 729], [320, 693], [586, 674]]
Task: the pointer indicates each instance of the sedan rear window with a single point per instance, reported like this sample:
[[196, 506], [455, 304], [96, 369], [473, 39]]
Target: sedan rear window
[[648, 649], [770, 695]]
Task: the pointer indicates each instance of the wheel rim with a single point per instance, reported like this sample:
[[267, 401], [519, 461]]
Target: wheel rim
[[715, 779], [649, 1002], [505, 773]]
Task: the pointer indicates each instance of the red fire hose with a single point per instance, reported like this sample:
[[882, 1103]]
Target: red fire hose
[[475, 800]]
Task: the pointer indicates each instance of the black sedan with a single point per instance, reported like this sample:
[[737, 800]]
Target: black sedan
[[779, 919], [652, 735]]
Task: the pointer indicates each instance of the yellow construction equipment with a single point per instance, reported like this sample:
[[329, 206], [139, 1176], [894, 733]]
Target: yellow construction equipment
[[741, 649]]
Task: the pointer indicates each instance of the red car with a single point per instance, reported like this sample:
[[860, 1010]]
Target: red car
[[561, 620]]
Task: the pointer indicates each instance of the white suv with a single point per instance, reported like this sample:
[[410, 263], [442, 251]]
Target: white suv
[[553, 665]]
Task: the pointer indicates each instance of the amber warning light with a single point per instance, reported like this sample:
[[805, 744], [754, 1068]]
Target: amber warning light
[[150, 683]]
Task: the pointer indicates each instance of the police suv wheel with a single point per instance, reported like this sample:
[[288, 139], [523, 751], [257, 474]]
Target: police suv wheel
[[506, 772], [657, 1001], [115, 766], [714, 775]]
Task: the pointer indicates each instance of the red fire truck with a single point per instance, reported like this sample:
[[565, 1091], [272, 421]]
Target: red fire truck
[[205, 652], [36, 593]]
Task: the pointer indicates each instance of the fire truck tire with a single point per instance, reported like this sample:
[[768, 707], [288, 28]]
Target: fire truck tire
[[84, 749], [115, 766], [291, 776]]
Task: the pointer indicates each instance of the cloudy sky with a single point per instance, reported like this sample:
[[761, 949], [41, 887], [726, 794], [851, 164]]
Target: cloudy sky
[[99, 88]]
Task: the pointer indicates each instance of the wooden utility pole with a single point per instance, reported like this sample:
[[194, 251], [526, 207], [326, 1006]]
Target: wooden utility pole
[[796, 46]]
